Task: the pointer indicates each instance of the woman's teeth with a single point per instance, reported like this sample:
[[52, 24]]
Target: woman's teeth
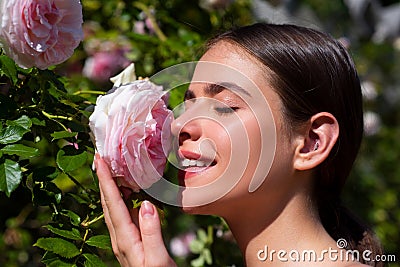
[[192, 162]]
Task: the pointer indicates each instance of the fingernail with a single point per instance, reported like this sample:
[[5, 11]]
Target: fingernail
[[96, 157], [94, 167], [147, 209]]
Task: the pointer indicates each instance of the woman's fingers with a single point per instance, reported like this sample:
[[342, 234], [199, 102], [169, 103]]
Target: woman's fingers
[[131, 246], [108, 221], [118, 212], [125, 235], [153, 244]]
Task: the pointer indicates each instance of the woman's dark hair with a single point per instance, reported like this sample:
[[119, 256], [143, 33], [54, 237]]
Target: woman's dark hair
[[312, 72]]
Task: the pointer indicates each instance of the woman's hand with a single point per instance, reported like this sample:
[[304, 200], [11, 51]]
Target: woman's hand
[[136, 235]]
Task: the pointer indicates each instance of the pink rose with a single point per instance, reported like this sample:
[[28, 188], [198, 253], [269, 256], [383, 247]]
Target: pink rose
[[131, 127], [180, 245], [40, 33], [102, 65]]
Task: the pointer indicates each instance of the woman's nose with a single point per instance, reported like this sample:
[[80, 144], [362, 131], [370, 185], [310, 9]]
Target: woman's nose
[[186, 128]]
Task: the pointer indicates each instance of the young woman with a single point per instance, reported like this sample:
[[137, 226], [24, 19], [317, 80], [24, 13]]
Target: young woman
[[311, 86]]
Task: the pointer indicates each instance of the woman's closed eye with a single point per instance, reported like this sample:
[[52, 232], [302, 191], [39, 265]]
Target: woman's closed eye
[[225, 110]]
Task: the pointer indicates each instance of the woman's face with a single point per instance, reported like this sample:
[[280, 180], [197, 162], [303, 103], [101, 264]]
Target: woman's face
[[231, 147]]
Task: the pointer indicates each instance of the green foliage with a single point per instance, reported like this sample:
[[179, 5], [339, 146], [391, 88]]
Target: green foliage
[[202, 246], [10, 176], [58, 246], [8, 68], [93, 261], [69, 158], [44, 140], [99, 241], [20, 150]]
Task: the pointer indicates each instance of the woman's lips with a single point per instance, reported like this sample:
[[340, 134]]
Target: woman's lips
[[192, 164], [189, 158], [190, 172], [184, 154]]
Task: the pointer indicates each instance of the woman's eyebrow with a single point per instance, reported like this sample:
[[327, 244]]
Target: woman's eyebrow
[[215, 88], [189, 94]]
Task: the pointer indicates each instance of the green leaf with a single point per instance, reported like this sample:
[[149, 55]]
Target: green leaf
[[20, 150], [56, 87], [69, 158], [60, 263], [202, 236], [53, 260], [196, 246], [59, 246], [80, 198], [100, 241], [8, 68], [12, 134], [74, 218], [197, 262], [93, 261], [63, 134], [23, 122], [70, 234], [207, 256], [10, 176], [38, 122], [49, 257]]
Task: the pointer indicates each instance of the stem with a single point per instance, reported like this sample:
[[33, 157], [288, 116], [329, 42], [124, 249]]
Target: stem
[[98, 218], [52, 117], [84, 240], [210, 233], [90, 92], [86, 233], [55, 208], [157, 29]]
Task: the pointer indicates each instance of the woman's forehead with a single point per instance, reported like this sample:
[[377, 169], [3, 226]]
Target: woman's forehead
[[232, 67]]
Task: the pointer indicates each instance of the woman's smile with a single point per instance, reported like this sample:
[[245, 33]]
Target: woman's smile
[[193, 164]]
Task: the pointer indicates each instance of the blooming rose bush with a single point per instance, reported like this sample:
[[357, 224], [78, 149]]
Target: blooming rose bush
[[131, 127], [40, 33]]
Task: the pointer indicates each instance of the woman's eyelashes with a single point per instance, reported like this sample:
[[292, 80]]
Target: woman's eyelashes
[[225, 110], [224, 106]]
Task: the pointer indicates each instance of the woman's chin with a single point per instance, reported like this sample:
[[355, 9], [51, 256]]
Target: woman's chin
[[189, 210], [202, 210]]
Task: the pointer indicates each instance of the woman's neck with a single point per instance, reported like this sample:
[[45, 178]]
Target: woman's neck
[[261, 234]]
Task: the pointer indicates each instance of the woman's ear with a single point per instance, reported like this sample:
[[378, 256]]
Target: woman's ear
[[316, 142]]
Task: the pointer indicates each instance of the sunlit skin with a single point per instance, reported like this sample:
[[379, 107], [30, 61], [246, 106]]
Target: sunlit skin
[[281, 213]]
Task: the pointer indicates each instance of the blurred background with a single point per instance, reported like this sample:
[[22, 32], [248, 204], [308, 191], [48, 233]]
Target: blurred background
[[157, 34]]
